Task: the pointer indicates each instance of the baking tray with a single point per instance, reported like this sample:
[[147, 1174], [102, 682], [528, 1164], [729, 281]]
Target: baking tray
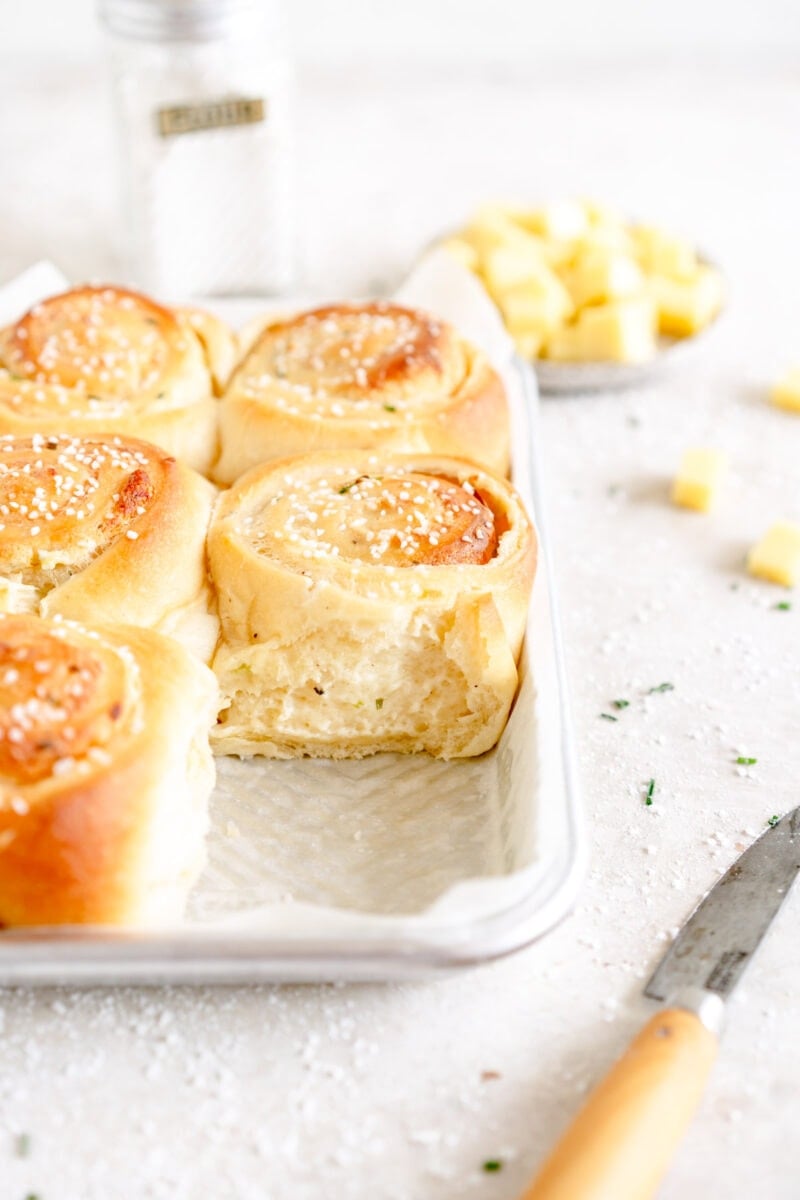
[[389, 867]]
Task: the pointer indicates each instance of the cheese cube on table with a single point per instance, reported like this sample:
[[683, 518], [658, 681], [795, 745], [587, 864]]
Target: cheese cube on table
[[661, 253], [777, 556], [685, 306], [786, 393], [598, 276], [622, 331], [697, 483]]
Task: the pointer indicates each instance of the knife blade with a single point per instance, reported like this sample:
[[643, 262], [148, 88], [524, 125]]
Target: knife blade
[[620, 1144], [719, 939]]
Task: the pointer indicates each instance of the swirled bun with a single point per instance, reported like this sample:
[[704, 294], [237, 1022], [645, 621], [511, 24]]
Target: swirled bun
[[105, 773], [106, 529], [368, 603], [371, 376], [95, 359]]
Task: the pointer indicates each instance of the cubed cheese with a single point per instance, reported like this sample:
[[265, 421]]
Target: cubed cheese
[[777, 556], [603, 216], [621, 331], [611, 238], [599, 276], [513, 263], [492, 228], [698, 481], [537, 305], [786, 392], [685, 306], [564, 221], [528, 344], [661, 253], [463, 252]]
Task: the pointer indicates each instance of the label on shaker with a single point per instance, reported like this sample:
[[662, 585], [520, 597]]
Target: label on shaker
[[210, 114]]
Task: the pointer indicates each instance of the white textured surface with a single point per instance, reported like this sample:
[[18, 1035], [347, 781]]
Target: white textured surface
[[354, 1092]]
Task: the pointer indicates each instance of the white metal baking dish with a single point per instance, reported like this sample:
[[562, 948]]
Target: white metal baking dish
[[385, 868]]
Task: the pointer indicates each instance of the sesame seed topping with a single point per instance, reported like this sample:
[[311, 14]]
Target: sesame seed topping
[[395, 518], [375, 362]]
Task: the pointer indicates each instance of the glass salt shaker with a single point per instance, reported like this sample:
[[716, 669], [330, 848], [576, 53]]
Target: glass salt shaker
[[202, 92]]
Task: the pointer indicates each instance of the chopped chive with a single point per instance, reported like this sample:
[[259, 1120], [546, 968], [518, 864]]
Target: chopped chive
[[773, 820], [662, 687], [346, 488], [651, 787], [608, 717], [379, 702], [390, 407], [743, 761], [620, 703], [783, 606], [493, 1164], [23, 1145]]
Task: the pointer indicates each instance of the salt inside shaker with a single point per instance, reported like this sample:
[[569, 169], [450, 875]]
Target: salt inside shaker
[[203, 103]]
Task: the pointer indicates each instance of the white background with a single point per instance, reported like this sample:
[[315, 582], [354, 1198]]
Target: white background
[[518, 31]]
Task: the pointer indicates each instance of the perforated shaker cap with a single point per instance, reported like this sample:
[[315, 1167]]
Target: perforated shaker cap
[[188, 20]]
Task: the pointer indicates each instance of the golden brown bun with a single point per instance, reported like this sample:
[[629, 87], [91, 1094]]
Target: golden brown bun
[[106, 528], [96, 359], [105, 773], [368, 603], [370, 376]]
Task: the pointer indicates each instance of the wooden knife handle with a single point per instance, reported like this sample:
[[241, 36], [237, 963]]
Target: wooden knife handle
[[621, 1142]]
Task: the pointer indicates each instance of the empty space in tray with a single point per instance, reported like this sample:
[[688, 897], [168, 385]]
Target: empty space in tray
[[387, 835]]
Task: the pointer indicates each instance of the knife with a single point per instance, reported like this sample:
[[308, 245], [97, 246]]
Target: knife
[[621, 1142]]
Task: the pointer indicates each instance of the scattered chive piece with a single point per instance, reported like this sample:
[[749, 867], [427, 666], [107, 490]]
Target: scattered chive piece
[[734, 586], [608, 717], [379, 702], [390, 407], [743, 761], [346, 488], [773, 820], [493, 1164], [783, 606], [620, 703], [23, 1145], [662, 687], [651, 787]]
